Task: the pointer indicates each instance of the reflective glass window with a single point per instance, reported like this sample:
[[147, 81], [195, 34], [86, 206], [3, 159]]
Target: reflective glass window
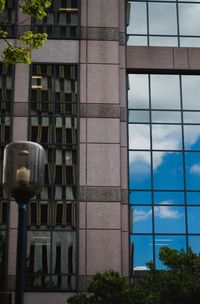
[[165, 92], [191, 92], [173, 241], [163, 23], [140, 197], [169, 198], [166, 116], [169, 219], [139, 170], [138, 93], [192, 137], [139, 136], [192, 160], [163, 41], [162, 19], [138, 116], [143, 251], [193, 198], [62, 20], [136, 40], [193, 219], [190, 41], [191, 117], [189, 23], [141, 219], [194, 242], [168, 171], [138, 18], [166, 137]]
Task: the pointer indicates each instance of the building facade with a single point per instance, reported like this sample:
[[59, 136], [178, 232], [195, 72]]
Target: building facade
[[113, 97]]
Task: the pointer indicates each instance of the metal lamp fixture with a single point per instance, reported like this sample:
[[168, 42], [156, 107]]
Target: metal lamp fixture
[[23, 177]]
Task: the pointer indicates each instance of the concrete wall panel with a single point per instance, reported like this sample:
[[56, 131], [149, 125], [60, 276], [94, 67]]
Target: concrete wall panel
[[103, 13], [103, 130], [103, 165], [103, 250], [103, 52], [103, 81], [102, 215]]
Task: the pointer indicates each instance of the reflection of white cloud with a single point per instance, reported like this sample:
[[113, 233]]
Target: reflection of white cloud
[[163, 212], [141, 215], [141, 268], [191, 135], [195, 169]]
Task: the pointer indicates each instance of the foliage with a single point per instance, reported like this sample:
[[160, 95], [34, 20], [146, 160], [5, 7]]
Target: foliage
[[179, 283], [105, 288], [21, 54], [35, 8]]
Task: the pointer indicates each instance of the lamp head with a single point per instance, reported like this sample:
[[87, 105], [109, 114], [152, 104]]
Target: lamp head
[[23, 169]]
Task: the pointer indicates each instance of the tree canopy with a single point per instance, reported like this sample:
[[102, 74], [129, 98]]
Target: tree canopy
[[178, 283], [29, 40]]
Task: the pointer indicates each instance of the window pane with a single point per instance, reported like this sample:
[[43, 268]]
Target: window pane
[[166, 116], [191, 92], [139, 170], [136, 40], [189, 21], [163, 41], [138, 19], [193, 198], [189, 42], [191, 117], [143, 251], [139, 137], [192, 137], [138, 116], [141, 219], [165, 92], [169, 219], [172, 241], [64, 252], [162, 18], [143, 197], [193, 219], [38, 252], [169, 198], [168, 170], [192, 170], [166, 137], [194, 242], [138, 94]]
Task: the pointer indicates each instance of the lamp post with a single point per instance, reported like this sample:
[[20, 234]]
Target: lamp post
[[23, 176]]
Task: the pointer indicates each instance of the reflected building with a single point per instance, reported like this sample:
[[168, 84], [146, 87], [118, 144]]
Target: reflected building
[[113, 97]]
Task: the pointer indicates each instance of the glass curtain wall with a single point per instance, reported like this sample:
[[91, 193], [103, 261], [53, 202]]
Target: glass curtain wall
[[164, 164], [6, 97], [51, 251], [163, 23], [62, 20]]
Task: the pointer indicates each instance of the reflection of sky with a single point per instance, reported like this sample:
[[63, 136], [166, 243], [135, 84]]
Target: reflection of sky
[[143, 250], [162, 169], [173, 241], [162, 20]]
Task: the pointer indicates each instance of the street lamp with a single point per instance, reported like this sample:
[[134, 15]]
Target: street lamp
[[23, 176]]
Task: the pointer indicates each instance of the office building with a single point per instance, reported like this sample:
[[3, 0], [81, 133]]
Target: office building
[[113, 97]]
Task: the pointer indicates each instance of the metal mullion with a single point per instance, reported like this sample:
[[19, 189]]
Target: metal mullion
[[184, 164], [147, 12], [152, 183]]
